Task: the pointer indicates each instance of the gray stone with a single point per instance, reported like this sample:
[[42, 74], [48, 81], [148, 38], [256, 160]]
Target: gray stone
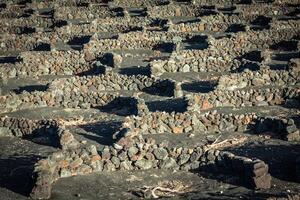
[[65, 173], [4, 131], [160, 153], [144, 164], [295, 136], [195, 156], [127, 165], [226, 126], [122, 156], [97, 166], [105, 154], [169, 163], [291, 129], [116, 161], [109, 166], [132, 151], [183, 158], [92, 149], [186, 68]]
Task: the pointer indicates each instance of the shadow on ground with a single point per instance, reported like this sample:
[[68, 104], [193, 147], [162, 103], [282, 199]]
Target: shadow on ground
[[16, 173]]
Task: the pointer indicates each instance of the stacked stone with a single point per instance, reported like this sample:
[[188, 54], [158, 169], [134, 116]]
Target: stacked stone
[[80, 92], [282, 127], [89, 13], [258, 78], [51, 4], [56, 98], [256, 175], [132, 40], [71, 30], [20, 127], [170, 10], [184, 123], [108, 24], [241, 98], [294, 66], [215, 23], [157, 67], [104, 82], [138, 153], [291, 130], [28, 42], [66, 139], [113, 59], [178, 90], [215, 2], [32, 21], [12, 12], [138, 3], [267, 10], [69, 162], [35, 63], [139, 106], [69, 3], [216, 58], [254, 172]]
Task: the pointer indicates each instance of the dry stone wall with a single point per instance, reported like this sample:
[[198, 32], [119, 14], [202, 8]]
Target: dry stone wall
[[36, 63], [258, 78], [221, 53], [90, 13], [187, 122], [241, 98], [144, 154]]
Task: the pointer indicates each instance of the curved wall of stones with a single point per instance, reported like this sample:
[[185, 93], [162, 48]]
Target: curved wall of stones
[[35, 63], [187, 122], [241, 98], [258, 78]]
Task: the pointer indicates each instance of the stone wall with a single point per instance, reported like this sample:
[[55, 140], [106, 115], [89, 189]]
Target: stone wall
[[89, 13], [278, 127], [104, 82], [12, 12], [221, 54], [52, 4], [241, 98], [20, 127], [133, 40], [172, 10], [144, 154], [179, 123], [264, 9], [30, 22], [51, 129], [84, 92], [28, 42], [107, 24], [258, 78], [25, 100], [138, 3], [35, 63], [215, 23], [58, 3], [71, 30], [216, 2]]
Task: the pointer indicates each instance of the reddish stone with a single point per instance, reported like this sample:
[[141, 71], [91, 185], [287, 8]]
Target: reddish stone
[[206, 105], [177, 130]]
